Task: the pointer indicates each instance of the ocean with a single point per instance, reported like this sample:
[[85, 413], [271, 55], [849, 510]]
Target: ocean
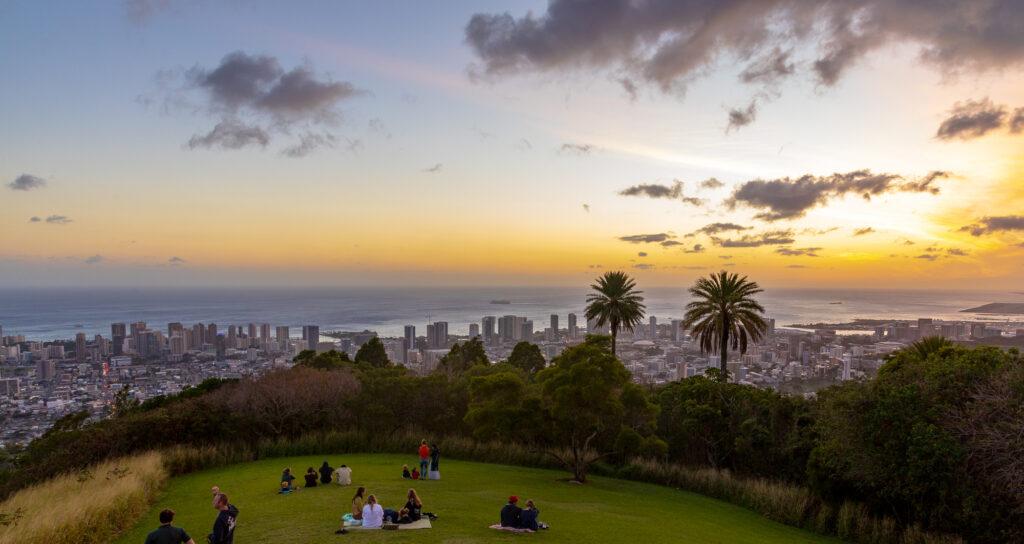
[[58, 314]]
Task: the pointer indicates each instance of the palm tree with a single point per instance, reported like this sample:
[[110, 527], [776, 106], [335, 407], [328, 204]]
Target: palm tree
[[929, 345], [615, 302], [724, 314]]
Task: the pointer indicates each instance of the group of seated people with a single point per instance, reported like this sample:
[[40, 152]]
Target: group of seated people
[[520, 518], [327, 474], [370, 514]]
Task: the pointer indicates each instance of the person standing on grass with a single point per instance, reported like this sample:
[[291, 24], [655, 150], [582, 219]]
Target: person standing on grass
[[224, 525], [373, 514], [435, 459], [325, 473], [424, 459], [167, 533]]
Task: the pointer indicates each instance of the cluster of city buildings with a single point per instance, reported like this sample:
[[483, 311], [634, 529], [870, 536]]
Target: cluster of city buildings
[[41, 381]]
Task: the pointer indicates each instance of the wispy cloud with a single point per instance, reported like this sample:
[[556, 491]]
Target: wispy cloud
[[26, 182], [799, 252], [975, 118], [862, 231], [991, 224], [34, 219], [94, 259], [646, 238], [433, 169], [59, 220], [656, 190], [767, 238], [577, 149]]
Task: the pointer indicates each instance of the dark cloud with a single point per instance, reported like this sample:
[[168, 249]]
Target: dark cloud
[[1017, 121], [577, 149], [670, 243], [59, 219], [309, 142], [26, 182], [646, 238], [932, 249], [697, 248], [988, 225], [433, 169], [586, 208], [643, 266], [768, 238], [629, 87], [971, 119], [34, 219], [711, 183], [94, 259], [670, 192], [927, 256], [254, 99], [741, 117], [230, 134], [176, 260], [669, 44], [786, 198], [957, 252], [862, 231], [641, 254], [799, 252], [715, 228]]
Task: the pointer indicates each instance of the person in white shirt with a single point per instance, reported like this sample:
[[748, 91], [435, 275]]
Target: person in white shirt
[[343, 475], [373, 513]]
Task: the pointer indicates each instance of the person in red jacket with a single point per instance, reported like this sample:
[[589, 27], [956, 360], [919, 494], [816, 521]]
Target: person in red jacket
[[424, 458]]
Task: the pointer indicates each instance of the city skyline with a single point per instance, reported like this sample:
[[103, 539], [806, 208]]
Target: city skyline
[[205, 143]]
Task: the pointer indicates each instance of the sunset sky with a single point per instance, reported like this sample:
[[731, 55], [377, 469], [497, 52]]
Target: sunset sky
[[206, 142]]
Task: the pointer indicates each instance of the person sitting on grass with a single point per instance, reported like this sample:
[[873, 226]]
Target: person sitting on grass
[[528, 517], [167, 533], [310, 477], [343, 475], [325, 473], [373, 514], [414, 505], [288, 478], [357, 503], [405, 472], [415, 474], [511, 515]]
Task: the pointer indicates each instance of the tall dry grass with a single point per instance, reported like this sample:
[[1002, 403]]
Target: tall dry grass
[[83, 507]]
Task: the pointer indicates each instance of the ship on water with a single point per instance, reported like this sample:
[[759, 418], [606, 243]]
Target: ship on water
[[501, 301]]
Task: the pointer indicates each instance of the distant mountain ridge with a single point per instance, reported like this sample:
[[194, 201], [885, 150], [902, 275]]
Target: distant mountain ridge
[[998, 308]]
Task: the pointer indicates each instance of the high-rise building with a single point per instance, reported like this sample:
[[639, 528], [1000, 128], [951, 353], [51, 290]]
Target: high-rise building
[[572, 326], [117, 329], [488, 328], [198, 336], [136, 333], [410, 341], [221, 345], [80, 347], [232, 338], [2, 340], [282, 337], [771, 326], [177, 347], [677, 330], [175, 328], [526, 331], [554, 324], [10, 387], [311, 334], [510, 327], [652, 328], [439, 338], [265, 333], [253, 341], [45, 370], [474, 331]]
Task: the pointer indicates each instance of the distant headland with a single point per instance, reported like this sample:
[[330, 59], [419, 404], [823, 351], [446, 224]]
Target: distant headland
[[998, 308]]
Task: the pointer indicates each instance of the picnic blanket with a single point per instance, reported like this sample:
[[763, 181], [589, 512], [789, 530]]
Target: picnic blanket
[[423, 523], [512, 529]]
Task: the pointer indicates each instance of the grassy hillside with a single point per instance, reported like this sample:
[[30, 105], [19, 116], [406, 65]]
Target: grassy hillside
[[467, 501]]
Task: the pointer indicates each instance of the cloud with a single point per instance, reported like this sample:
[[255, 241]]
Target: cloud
[[253, 98], [862, 231], [697, 248], [799, 252], [715, 228], [58, 220], [175, 261], [768, 238], [629, 87], [971, 119], [710, 183], [670, 243], [1017, 121], [377, 126], [741, 117], [230, 134], [956, 252], [309, 142], [786, 198], [577, 149], [595, 266], [725, 257], [139, 11], [817, 232], [695, 267], [927, 256], [433, 169], [34, 219], [586, 208], [643, 266], [796, 266], [988, 225], [94, 259], [670, 192], [523, 145], [669, 44], [642, 254], [26, 182], [646, 238]]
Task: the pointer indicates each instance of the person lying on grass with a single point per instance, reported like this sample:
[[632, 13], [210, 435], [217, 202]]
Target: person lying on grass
[[167, 533]]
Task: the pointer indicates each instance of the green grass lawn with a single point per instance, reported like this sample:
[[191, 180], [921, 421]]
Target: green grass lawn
[[466, 500]]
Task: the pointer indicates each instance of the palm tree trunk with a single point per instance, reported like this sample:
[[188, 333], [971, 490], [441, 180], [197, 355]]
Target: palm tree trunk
[[724, 348], [615, 334]]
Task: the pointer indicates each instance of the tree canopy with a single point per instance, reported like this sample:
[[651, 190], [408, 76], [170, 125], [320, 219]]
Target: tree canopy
[[373, 353], [616, 302], [724, 315], [527, 357]]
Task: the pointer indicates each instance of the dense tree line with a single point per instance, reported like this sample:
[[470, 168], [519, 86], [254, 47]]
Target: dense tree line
[[936, 439]]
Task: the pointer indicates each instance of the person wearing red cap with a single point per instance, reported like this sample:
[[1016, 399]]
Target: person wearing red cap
[[511, 515]]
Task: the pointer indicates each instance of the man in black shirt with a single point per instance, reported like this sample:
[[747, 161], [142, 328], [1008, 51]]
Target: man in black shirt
[[224, 526], [325, 473], [167, 533], [510, 513]]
